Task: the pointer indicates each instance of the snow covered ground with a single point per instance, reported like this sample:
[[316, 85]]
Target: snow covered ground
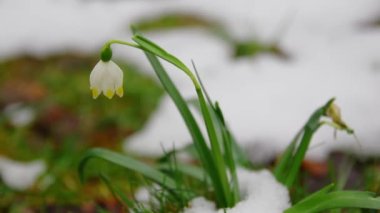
[[265, 99], [19, 175], [260, 192]]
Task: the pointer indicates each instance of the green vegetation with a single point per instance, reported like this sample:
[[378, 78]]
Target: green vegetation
[[69, 124], [68, 121], [216, 155]]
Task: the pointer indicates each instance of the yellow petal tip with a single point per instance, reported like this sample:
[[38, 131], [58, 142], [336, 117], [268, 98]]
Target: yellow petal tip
[[109, 93], [95, 93], [120, 92]]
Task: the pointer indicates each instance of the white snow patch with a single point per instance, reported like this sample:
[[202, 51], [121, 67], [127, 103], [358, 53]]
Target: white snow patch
[[200, 204], [19, 115], [167, 139], [260, 192], [265, 100], [142, 195], [18, 175]]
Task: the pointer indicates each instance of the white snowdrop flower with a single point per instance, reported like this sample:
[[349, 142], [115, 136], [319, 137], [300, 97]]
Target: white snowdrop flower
[[106, 77]]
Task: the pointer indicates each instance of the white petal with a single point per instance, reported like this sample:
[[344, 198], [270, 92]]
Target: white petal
[[116, 75], [96, 74], [107, 78]]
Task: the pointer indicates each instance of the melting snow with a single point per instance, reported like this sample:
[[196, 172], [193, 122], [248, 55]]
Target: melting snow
[[265, 99], [20, 176], [260, 193], [19, 115]]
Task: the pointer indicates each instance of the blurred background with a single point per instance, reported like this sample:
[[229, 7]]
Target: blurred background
[[268, 63]]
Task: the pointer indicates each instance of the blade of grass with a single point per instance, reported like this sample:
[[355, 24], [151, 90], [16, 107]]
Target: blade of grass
[[156, 50], [198, 139], [310, 128], [228, 152], [286, 159], [128, 163], [219, 177], [215, 148], [321, 192], [223, 132], [337, 199], [189, 170], [117, 193], [237, 152]]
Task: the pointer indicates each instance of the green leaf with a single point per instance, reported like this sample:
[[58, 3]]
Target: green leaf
[[288, 168], [280, 171], [224, 135], [128, 163], [310, 128], [336, 199], [189, 170], [220, 165], [321, 192], [153, 48], [199, 142], [217, 168], [117, 192]]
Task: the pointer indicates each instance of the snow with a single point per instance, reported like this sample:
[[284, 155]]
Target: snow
[[18, 175], [260, 193], [142, 195], [265, 99], [19, 115], [200, 204], [166, 140]]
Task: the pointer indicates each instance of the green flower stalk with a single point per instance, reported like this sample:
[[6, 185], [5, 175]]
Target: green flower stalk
[[217, 160]]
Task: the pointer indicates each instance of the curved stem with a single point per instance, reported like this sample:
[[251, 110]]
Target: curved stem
[[115, 41], [153, 48], [158, 52]]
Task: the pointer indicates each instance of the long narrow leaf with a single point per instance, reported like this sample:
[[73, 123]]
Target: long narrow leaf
[[337, 199], [310, 128], [153, 48], [318, 193], [228, 152], [189, 170], [128, 163], [280, 171], [215, 148], [198, 139], [224, 135], [219, 168], [117, 192]]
